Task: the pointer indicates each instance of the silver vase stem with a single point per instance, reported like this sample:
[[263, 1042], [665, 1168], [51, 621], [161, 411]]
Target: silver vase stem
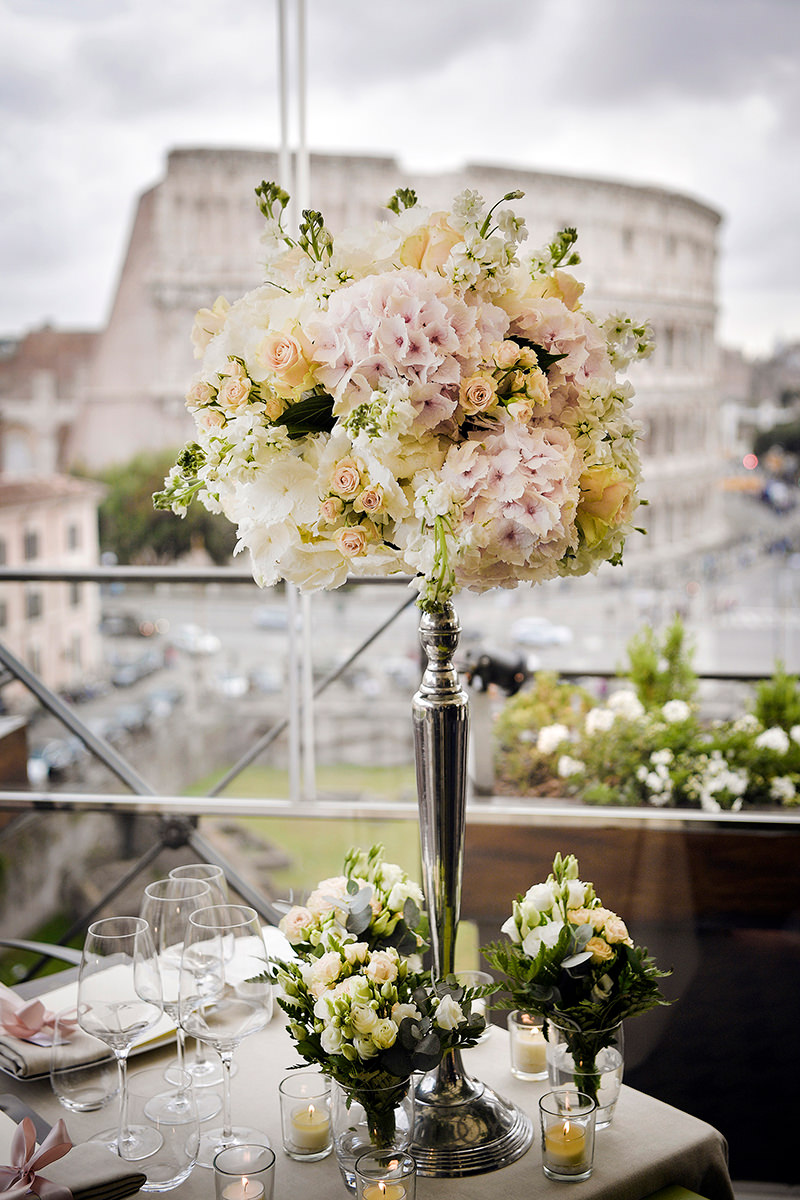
[[440, 712]]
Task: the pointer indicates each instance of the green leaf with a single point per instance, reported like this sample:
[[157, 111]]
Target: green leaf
[[312, 414], [544, 358]]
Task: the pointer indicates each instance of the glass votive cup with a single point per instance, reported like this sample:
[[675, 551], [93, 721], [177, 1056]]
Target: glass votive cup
[[527, 1045], [476, 979], [305, 1101], [386, 1175], [244, 1172], [567, 1120]]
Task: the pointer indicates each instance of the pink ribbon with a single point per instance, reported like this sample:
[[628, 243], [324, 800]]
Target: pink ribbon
[[32, 1022], [21, 1178]]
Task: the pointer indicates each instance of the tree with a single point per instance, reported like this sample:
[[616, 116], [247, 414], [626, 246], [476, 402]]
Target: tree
[[137, 533]]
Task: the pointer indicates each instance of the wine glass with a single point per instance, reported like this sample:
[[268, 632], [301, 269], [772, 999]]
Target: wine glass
[[225, 996], [119, 1000], [205, 1070], [166, 906]]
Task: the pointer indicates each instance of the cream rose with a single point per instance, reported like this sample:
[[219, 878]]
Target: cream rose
[[207, 323], [429, 248], [281, 354], [355, 952], [324, 972], [385, 1034], [364, 1020], [506, 355], [449, 1013], [211, 419], [199, 394], [606, 498]]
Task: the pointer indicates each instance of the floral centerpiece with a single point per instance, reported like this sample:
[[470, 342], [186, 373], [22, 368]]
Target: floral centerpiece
[[572, 960], [359, 1006], [414, 398]]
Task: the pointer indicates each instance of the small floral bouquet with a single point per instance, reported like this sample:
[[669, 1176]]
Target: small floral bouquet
[[359, 1003], [572, 960], [417, 399], [369, 1021], [373, 901]]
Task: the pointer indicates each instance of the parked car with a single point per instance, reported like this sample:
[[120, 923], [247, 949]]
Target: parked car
[[192, 639], [538, 631]]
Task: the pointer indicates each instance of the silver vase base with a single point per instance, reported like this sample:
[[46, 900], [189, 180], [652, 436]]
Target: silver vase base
[[481, 1132]]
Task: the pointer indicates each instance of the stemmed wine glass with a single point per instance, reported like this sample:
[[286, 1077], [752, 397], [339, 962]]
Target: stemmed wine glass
[[166, 906], [225, 996], [119, 1000], [205, 1070]]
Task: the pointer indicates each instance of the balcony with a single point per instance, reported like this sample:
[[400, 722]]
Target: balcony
[[712, 896]]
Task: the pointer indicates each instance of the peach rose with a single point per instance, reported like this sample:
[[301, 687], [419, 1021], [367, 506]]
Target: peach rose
[[210, 419], [331, 509], [346, 478], [233, 393], [351, 541], [429, 248], [370, 500], [506, 355], [615, 930], [477, 394], [199, 394], [561, 286], [382, 967], [294, 924], [599, 950], [281, 353]]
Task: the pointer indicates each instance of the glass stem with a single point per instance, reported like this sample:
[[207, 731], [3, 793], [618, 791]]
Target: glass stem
[[123, 1131], [227, 1124], [180, 1055], [200, 1053]]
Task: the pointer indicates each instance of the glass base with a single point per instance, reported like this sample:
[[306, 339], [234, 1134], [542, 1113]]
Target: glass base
[[214, 1140], [141, 1143], [560, 1177], [172, 1107]]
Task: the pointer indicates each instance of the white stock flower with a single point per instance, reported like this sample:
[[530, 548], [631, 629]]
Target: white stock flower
[[776, 739], [550, 738], [625, 703], [782, 789], [675, 710], [599, 720]]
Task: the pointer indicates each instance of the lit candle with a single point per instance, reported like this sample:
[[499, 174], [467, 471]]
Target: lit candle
[[530, 1049], [311, 1128], [565, 1145], [383, 1191], [245, 1189]]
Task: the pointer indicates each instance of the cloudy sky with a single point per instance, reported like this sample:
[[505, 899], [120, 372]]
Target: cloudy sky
[[700, 96]]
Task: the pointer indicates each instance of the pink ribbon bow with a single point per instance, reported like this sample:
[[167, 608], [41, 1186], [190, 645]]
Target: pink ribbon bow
[[21, 1178], [32, 1022]]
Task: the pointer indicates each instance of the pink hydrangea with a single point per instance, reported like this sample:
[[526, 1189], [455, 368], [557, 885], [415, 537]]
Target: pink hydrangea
[[519, 493]]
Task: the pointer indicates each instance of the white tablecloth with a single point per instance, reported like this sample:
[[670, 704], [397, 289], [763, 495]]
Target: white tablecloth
[[648, 1146]]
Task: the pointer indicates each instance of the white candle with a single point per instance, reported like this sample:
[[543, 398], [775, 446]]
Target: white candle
[[384, 1191], [565, 1145], [311, 1128], [245, 1189], [530, 1050]]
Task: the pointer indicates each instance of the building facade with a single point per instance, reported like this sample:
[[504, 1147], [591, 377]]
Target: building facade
[[52, 628]]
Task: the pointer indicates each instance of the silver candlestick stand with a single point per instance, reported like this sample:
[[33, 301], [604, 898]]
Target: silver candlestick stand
[[462, 1127]]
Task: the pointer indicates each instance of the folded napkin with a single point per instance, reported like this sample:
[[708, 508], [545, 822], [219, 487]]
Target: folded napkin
[[28, 1060], [90, 1171]]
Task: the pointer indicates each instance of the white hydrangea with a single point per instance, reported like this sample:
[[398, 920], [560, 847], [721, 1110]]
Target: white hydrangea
[[776, 739], [625, 703]]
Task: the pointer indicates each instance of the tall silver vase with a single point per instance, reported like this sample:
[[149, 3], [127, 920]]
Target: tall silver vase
[[462, 1127]]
